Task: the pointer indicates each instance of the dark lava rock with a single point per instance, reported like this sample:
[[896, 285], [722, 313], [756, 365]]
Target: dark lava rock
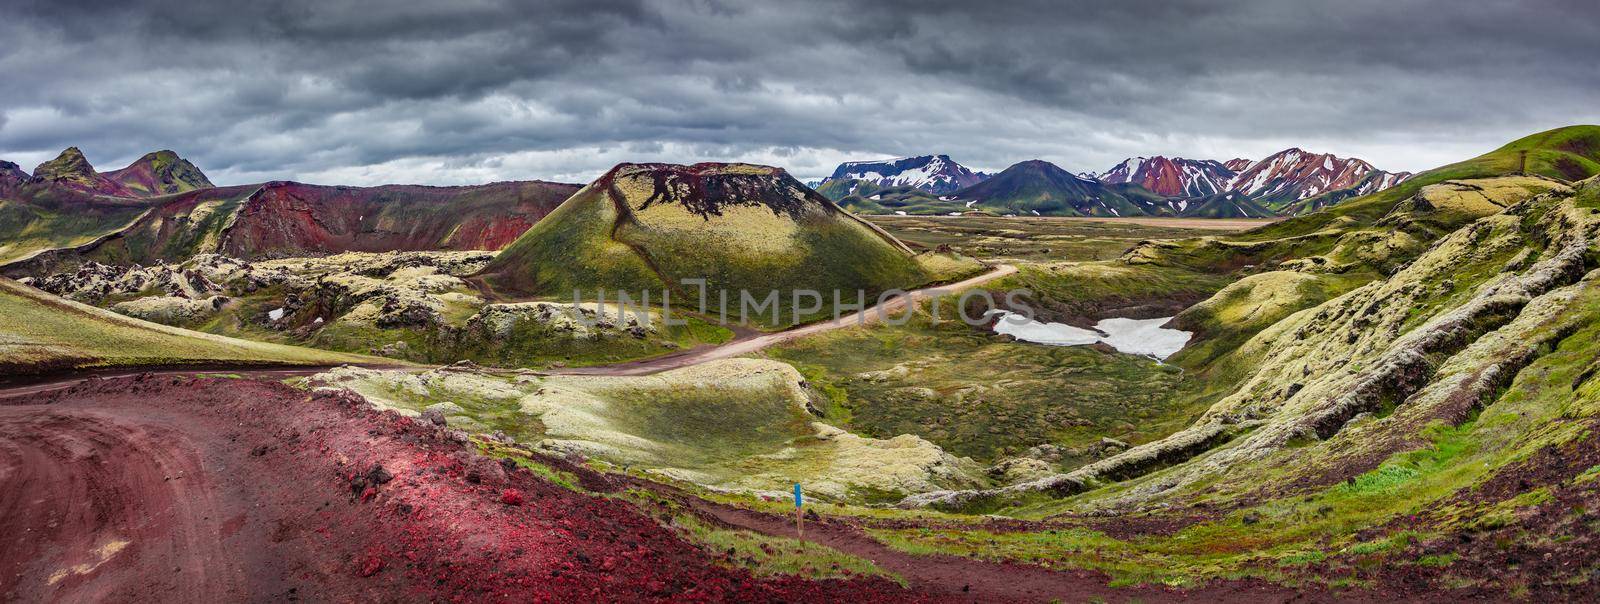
[[435, 417], [379, 475]]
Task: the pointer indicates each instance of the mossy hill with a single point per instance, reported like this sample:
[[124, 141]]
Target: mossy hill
[[740, 227]]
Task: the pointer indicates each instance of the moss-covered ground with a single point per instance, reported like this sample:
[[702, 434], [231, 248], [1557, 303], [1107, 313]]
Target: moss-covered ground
[[1476, 480], [1044, 240]]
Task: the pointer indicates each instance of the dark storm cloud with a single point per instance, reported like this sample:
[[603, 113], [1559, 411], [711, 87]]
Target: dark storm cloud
[[491, 89]]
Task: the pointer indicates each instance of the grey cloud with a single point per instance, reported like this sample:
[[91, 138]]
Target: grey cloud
[[531, 89]]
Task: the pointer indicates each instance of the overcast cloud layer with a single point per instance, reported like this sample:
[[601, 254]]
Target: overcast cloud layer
[[479, 90]]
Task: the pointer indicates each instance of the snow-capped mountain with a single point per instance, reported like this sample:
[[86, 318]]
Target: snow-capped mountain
[[936, 174], [1290, 182], [1171, 176], [1295, 174], [1041, 188]]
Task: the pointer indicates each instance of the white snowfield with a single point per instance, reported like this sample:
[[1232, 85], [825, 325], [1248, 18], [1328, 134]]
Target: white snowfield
[[1131, 336]]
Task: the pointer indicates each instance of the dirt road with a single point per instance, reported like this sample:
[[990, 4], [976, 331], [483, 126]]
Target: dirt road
[[131, 498], [754, 342]]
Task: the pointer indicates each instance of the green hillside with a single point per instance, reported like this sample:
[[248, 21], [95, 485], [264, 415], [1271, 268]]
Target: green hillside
[[27, 229]]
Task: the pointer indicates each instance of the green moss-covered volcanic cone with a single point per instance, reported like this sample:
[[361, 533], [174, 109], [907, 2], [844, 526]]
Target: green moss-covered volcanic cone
[[738, 226]]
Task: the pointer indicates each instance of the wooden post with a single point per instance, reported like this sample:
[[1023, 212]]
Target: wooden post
[[1522, 162]]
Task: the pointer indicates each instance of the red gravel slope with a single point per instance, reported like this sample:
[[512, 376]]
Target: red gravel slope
[[165, 488]]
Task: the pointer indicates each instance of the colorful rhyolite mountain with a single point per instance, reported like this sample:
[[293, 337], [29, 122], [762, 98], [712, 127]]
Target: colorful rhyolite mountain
[[163, 208], [1294, 174], [1279, 180], [937, 174], [70, 175], [71, 171], [1172, 176], [160, 173]]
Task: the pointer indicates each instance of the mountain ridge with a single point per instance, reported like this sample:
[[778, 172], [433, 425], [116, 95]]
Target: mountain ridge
[[1290, 182], [1042, 188], [1294, 174]]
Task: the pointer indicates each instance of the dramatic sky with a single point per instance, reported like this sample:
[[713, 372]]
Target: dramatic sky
[[476, 90]]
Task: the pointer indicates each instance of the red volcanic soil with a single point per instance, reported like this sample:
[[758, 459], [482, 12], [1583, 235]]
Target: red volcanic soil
[[291, 219], [180, 489]]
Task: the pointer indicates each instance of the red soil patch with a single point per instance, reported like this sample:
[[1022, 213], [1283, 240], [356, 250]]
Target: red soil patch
[[176, 489]]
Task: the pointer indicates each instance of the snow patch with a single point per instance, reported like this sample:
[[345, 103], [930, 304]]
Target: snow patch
[[1130, 336]]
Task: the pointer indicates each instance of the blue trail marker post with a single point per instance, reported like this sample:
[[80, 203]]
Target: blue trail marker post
[[799, 512]]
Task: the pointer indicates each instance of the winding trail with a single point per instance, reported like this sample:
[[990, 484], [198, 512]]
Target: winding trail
[[754, 342], [742, 345]]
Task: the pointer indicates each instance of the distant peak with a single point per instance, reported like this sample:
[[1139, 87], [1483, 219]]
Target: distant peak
[[69, 163], [934, 173], [1170, 176], [1238, 164], [1294, 174], [159, 173]]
